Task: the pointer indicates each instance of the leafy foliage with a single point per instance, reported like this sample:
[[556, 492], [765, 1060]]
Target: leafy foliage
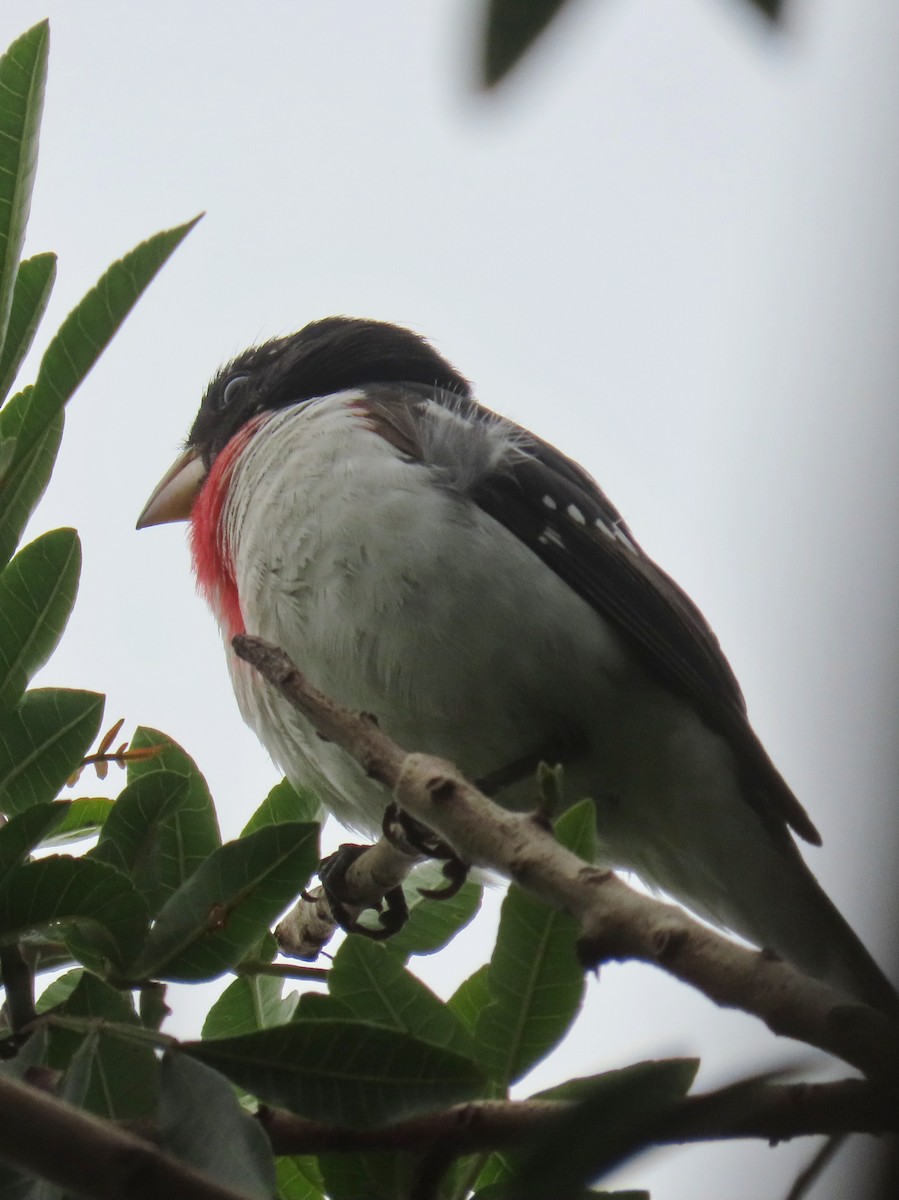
[[513, 27]]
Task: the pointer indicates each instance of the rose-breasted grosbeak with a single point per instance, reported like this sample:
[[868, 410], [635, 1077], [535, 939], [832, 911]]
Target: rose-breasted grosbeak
[[426, 560]]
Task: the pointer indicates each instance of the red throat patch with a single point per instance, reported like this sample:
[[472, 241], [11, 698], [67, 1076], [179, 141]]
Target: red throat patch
[[212, 563]]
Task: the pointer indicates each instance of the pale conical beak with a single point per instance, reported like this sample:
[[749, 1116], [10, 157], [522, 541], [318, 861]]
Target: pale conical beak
[[174, 495]]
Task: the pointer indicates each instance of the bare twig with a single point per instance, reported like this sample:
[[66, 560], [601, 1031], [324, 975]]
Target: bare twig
[[281, 970], [809, 1176], [616, 922]]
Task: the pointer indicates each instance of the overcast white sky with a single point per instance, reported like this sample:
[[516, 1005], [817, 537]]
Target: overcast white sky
[[670, 246]]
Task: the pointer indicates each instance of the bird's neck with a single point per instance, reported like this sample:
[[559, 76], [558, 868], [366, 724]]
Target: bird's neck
[[212, 561]]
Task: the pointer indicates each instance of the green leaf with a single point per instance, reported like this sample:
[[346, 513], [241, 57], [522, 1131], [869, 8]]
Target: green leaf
[[576, 830], [23, 78], [375, 987], [34, 283], [471, 997], [668, 1077], [316, 1006], [53, 889], [20, 835], [56, 993], [617, 1118], [512, 28], [284, 803], [153, 1007], [133, 840], [212, 921], [433, 923], [192, 834], [24, 481], [37, 592], [42, 742], [535, 978], [372, 1176], [119, 1076], [299, 1178], [250, 1003], [81, 818], [77, 1077], [202, 1123], [88, 329], [349, 1072]]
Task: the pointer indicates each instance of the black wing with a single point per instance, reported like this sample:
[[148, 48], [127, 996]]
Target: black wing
[[557, 510]]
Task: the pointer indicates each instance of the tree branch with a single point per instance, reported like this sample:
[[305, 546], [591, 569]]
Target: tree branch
[[616, 922], [18, 983], [89, 1156], [778, 1112]]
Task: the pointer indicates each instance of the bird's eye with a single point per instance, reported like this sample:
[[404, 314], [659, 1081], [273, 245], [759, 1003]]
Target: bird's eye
[[232, 390]]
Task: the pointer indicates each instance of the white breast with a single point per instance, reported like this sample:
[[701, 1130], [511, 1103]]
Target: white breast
[[395, 594]]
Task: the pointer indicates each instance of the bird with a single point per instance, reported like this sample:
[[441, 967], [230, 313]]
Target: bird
[[424, 559]]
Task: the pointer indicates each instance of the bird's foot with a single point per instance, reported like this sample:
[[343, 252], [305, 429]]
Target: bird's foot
[[406, 833], [344, 905]]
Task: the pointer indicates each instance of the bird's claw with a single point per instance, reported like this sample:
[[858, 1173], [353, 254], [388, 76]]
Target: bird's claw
[[405, 832], [332, 874]]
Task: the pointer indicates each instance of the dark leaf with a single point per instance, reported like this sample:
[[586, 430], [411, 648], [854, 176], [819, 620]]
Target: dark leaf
[[512, 28], [20, 835], [133, 839], [299, 1178], [88, 329], [153, 1007], [202, 1123], [374, 1176], [250, 1003], [42, 742], [284, 803], [772, 9], [218, 915], [82, 818], [23, 78], [668, 1078], [40, 893], [343, 1071], [433, 923], [26, 476], [34, 283], [471, 997], [316, 1006], [535, 978], [192, 834], [37, 592], [375, 987], [118, 1077], [619, 1117]]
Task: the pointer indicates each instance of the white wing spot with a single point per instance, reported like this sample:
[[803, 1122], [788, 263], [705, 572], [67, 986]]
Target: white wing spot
[[603, 527], [551, 535], [576, 515], [550, 502], [623, 538]]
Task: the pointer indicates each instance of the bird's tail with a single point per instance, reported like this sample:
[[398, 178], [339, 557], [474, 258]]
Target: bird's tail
[[783, 908]]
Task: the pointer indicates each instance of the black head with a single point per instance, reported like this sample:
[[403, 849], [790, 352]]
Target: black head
[[324, 357]]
